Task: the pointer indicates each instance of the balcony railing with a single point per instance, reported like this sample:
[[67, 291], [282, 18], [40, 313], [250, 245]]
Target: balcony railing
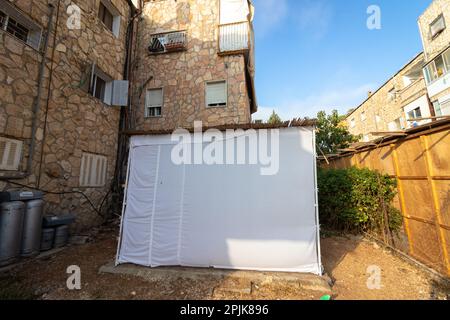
[[234, 37], [168, 42], [415, 90]]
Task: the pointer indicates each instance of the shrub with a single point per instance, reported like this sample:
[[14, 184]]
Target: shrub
[[357, 200]]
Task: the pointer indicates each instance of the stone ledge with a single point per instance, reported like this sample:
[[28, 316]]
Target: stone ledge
[[304, 282]]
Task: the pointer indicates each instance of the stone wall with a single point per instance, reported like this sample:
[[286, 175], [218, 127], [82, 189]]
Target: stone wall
[[432, 47], [380, 110], [76, 121], [183, 75]]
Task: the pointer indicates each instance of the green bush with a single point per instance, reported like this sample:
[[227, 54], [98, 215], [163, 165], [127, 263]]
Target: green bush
[[357, 200]]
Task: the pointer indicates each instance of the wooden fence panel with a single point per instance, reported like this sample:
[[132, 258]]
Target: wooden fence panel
[[421, 165]]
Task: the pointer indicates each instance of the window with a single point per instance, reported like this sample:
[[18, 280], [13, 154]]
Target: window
[[153, 103], [391, 95], [10, 154], [437, 108], [101, 85], [438, 67], [415, 114], [352, 123], [437, 26], [216, 94], [93, 170], [15, 23], [363, 116], [109, 16]]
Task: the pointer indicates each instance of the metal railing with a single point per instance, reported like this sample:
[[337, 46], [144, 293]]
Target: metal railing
[[168, 42], [413, 91], [234, 37]]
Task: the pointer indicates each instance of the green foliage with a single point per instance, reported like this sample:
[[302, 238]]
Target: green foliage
[[357, 200], [331, 134], [274, 119]]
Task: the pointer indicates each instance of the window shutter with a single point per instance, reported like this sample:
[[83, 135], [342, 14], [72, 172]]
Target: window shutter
[[93, 170], [10, 154], [154, 98], [216, 93], [119, 93]]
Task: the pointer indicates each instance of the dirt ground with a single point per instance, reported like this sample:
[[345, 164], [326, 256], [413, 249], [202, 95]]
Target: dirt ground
[[345, 260]]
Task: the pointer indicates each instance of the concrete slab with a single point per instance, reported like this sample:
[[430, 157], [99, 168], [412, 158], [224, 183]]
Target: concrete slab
[[229, 281]]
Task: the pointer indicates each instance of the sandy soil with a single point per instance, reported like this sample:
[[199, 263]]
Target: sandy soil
[[345, 259]]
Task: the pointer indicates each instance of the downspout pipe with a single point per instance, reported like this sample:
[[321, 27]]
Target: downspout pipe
[[36, 104]]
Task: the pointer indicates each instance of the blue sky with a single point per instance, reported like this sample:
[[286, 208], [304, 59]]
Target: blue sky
[[314, 55]]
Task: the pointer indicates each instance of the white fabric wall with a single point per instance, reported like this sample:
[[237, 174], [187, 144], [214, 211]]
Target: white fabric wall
[[223, 216]]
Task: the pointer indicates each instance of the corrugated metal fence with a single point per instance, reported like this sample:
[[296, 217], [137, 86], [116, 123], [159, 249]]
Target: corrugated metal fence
[[420, 161]]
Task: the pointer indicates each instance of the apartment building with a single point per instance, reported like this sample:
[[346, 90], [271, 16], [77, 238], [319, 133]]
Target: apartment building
[[434, 25], [193, 61], [61, 90], [420, 92], [394, 106], [73, 73]]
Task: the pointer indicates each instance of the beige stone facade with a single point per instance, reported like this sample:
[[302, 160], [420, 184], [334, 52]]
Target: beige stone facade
[[70, 120], [384, 110], [78, 117], [433, 45], [183, 75], [426, 98], [434, 25]]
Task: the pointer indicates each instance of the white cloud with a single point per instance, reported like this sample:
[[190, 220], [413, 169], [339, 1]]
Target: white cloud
[[314, 17], [341, 99], [269, 13]]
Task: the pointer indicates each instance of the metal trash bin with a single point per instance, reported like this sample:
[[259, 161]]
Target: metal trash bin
[[48, 235], [11, 227], [61, 236], [32, 228]]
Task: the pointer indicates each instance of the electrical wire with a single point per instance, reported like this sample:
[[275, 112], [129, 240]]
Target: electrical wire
[[98, 211]]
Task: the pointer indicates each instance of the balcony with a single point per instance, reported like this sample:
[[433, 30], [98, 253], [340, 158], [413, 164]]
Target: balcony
[[413, 91], [234, 38], [168, 42]]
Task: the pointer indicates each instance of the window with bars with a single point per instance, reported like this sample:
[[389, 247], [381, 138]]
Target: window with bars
[[10, 154], [21, 27], [93, 170], [154, 101]]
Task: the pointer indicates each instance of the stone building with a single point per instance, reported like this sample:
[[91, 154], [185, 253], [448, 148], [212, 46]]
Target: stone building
[[394, 106], [73, 73], [435, 33], [193, 61], [420, 90], [59, 131]]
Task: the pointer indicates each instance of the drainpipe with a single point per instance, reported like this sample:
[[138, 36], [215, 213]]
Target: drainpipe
[[36, 103], [50, 78], [125, 114]]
